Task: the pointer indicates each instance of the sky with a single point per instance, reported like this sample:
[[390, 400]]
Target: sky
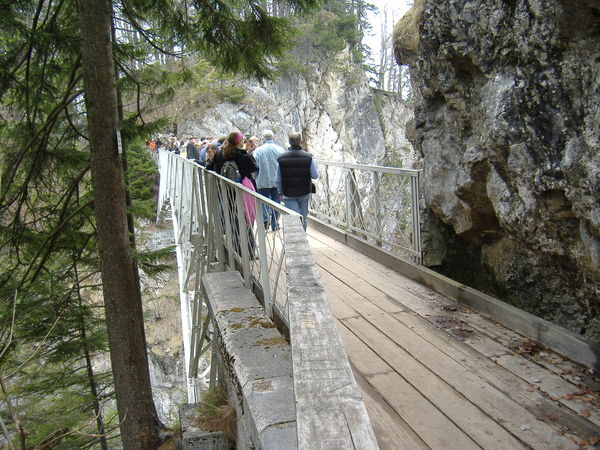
[[396, 8]]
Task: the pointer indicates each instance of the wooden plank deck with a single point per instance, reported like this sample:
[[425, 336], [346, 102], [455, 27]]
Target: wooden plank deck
[[436, 375]]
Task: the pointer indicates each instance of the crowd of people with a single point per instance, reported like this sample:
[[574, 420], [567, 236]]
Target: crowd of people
[[261, 165]]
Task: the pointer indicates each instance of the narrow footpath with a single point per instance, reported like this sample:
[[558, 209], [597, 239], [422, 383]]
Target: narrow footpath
[[436, 375]]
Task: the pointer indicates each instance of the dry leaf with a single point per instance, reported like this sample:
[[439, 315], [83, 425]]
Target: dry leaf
[[592, 441]]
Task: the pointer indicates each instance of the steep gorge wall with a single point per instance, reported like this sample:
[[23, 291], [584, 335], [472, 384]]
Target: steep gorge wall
[[328, 99], [507, 120]]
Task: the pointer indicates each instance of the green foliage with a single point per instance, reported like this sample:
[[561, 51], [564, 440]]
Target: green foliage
[[396, 157], [340, 25], [142, 181], [156, 262], [289, 64], [378, 104], [232, 94], [56, 430], [50, 325], [326, 31]]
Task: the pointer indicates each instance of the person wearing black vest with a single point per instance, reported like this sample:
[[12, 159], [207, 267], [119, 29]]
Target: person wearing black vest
[[296, 170]]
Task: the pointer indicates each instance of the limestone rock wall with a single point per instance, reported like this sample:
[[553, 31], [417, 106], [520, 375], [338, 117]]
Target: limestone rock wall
[[328, 99], [507, 120]]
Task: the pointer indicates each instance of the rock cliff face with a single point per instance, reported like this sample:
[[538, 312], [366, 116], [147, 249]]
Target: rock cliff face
[[327, 99], [507, 119]]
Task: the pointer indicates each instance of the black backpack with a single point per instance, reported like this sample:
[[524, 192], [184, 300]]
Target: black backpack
[[230, 170]]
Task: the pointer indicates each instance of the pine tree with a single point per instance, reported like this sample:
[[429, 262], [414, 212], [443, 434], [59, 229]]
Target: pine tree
[[47, 228]]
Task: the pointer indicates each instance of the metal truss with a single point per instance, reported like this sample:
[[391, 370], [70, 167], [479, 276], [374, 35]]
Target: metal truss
[[218, 225], [377, 204]]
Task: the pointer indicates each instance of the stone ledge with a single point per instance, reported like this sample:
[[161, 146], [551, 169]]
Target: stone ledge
[[192, 437], [257, 363]]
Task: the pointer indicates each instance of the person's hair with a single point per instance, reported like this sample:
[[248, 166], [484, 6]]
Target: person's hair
[[222, 139], [233, 141], [295, 139], [214, 148], [267, 135]]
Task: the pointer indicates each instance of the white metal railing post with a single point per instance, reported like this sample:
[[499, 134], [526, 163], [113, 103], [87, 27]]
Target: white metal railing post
[[227, 206], [174, 181], [416, 221], [348, 196], [193, 201], [243, 242], [264, 263], [377, 203], [327, 189], [218, 221], [214, 359], [202, 213], [380, 205]]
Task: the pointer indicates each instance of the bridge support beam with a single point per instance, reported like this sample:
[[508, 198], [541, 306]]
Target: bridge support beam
[[256, 362]]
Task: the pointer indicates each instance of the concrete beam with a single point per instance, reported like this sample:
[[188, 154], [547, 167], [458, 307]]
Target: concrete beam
[[329, 405], [257, 363]]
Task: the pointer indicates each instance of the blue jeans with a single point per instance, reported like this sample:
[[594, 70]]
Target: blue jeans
[[268, 212], [300, 205]]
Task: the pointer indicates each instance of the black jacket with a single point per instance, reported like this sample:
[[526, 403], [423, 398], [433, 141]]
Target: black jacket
[[295, 172], [246, 164]]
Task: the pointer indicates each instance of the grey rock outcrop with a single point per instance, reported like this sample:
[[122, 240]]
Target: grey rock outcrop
[[507, 119], [328, 99]]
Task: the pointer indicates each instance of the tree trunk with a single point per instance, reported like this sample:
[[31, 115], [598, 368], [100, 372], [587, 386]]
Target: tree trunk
[[122, 296]]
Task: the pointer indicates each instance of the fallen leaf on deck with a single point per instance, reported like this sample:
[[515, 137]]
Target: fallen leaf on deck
[[592, 441]]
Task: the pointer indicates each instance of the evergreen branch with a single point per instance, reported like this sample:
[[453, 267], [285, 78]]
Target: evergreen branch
[[47, 442], [138, 104], [73, 127], [145, 34], [50, 238], [12, 327], [138, 85], [17, 423], [45, 129], [53, 235], [36, 351], [36, 18], [6, 433]]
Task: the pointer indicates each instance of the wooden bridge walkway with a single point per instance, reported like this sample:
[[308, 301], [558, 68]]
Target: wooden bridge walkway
[[436, 375]]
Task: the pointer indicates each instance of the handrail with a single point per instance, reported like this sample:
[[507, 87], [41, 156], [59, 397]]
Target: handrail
[[211, 220], [385, 169], [218, 226], [380, 205]]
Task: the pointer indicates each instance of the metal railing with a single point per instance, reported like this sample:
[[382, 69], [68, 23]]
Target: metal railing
[[218, 225], [378, 204]]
